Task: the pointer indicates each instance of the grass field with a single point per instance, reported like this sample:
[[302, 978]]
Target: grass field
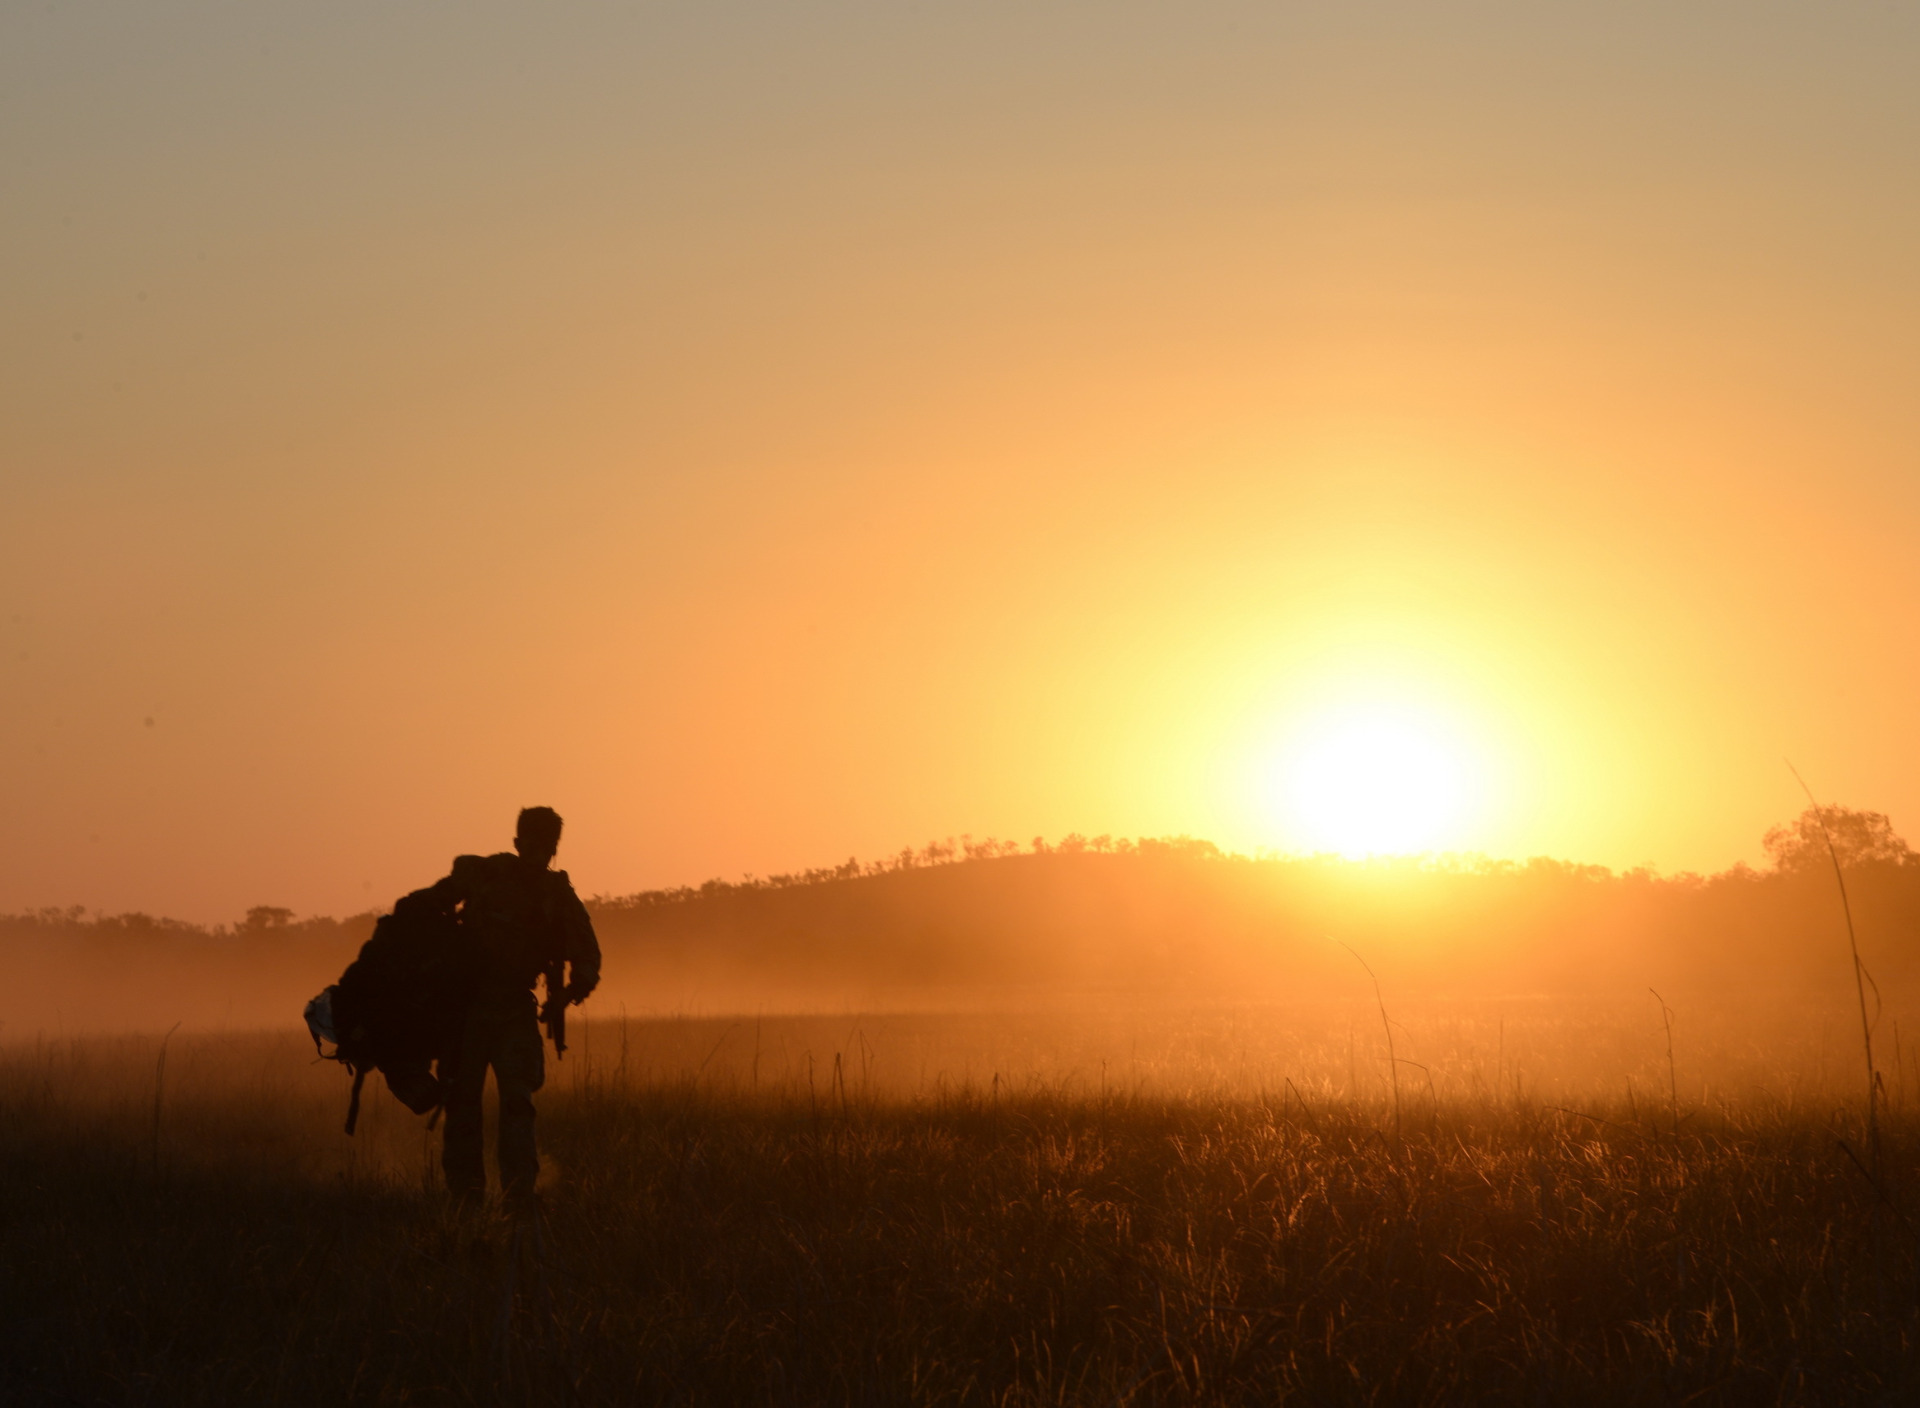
[[1226, 1207]]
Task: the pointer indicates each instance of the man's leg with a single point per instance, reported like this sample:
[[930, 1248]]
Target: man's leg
[[519, 1069], [461, 1155]]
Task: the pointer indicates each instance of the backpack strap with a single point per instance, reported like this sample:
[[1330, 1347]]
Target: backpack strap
[[353, 1101]]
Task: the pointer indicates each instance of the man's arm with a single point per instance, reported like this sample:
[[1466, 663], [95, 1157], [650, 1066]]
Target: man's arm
[[443, 896], [578, 944]]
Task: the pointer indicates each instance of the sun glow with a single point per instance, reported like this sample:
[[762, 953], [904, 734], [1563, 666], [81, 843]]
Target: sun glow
[[1377, 780]]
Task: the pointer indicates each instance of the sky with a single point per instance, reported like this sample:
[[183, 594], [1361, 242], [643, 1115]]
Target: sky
[[768, 433]]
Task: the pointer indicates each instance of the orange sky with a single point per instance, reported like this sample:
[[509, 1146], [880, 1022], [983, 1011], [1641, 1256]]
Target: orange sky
[[768, 433]]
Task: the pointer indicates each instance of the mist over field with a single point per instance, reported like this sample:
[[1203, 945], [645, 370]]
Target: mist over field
[[1082, 926]]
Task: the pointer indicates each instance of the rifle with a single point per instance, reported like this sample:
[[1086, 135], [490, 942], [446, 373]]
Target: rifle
[[554, 1013]]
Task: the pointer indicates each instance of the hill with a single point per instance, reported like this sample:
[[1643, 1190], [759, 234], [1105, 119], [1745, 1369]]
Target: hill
[[994, 924]]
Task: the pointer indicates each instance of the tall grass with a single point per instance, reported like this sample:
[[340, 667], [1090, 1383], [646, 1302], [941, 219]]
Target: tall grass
[[1861, 978], [1021, 1233]]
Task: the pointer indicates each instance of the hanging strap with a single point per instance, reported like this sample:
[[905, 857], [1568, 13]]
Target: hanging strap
[[353, 1101]]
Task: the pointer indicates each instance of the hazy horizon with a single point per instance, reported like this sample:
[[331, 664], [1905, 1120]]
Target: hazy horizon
[[1071, 843]]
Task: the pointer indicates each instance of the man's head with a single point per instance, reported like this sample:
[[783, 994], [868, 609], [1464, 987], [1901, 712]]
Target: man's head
[[537, 836]]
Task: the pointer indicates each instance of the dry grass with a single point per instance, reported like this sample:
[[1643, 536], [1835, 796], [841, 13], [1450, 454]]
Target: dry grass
[[722, 1231]]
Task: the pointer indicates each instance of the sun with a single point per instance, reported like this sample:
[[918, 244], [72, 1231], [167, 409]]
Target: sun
[[1377, 780]]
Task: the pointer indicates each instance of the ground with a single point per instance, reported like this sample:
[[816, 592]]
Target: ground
[[199, 1231]]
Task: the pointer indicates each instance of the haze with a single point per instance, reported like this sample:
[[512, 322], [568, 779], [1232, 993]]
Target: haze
[[766, 433]]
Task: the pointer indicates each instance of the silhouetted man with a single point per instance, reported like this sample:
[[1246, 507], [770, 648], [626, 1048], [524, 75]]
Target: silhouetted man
[[518, 919]]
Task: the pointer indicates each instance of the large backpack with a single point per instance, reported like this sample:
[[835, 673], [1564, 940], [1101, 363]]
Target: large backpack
[[399, 1006]]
